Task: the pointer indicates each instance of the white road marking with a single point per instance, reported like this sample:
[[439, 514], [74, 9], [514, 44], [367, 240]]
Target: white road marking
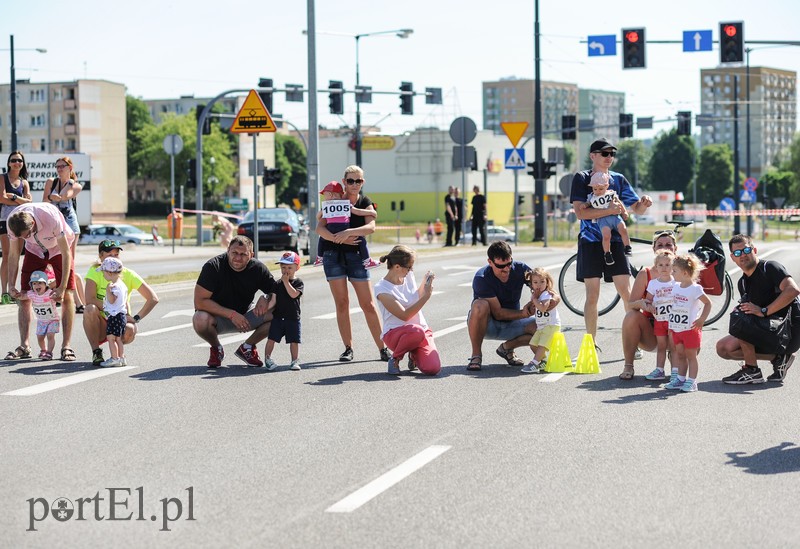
[[449, 330], [551, 378], [462, 318], [461, 273], [461, 267], [163, 330], [386, 480], [179, 312], [331, 316], [65, 382], [465, 285], [234, 338]]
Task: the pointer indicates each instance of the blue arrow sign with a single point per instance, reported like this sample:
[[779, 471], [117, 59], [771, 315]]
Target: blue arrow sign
[[727, 204], [697, 40], [515, 159], [604, 44]]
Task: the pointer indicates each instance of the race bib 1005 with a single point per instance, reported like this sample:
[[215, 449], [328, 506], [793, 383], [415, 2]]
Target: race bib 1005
[[335, 209]]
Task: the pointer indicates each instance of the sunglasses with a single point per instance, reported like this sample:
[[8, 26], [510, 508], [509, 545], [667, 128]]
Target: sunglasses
[[502, 266], [59, 166], [747, 250], [109, 243], [16, 161], [659, 234], [351, 181], [606, 154]]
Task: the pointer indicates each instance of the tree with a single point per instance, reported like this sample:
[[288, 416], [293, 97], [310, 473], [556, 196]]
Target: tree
[[632, 160], [291, 159], [714, 174], [137, 117], [672, 163], [781, 184]]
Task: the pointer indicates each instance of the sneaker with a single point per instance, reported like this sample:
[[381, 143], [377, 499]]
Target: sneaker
[[628, 251], [638, 355], [656, 375], [270, 364], [385, 355], [674, 383], [295, 365], [673, 376], [689, 386], [394, 367], [123, 361], [318, 262], [97, 357], [111, 363], [609, 258], [780, 365], [6, 299], [533, 367], [746, 374], [371, 263], [249, 356], [347, 355], [215, 357]]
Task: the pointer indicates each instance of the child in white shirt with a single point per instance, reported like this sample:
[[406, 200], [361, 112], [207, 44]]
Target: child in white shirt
[[115, 307]]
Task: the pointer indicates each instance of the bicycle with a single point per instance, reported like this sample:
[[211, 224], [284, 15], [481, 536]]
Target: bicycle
[[573, 293]]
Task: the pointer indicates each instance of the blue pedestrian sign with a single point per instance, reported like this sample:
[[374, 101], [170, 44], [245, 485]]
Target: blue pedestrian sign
[[747, 196], [515, 159], [727, 204], [603, 44], [699, 40]]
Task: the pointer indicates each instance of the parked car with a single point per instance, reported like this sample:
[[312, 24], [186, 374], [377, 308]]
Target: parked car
[[278, 229], [496, 232], [126, 234], [645, 219]]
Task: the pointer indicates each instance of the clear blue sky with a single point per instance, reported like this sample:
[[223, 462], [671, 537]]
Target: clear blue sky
[[165, 49]]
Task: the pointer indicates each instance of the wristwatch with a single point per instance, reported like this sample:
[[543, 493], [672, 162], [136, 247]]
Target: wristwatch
[[764, 311], [136, 318], [14, 197]]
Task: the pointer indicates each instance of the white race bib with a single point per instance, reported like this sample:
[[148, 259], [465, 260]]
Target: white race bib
[[335, 209]]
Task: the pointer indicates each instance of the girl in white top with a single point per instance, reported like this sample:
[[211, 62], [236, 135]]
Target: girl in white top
[[400, 303], [686, 319], [115, 306], [658, 301], [548, 322], [44, 307]]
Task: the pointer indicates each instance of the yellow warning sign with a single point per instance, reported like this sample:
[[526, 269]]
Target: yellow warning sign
[[253, 117], [514, 131]]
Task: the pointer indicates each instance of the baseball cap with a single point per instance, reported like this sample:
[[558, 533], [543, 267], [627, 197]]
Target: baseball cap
[[108, 245], [111, 265], [39, 276], [601, 144], [333, 187], [289, 258]]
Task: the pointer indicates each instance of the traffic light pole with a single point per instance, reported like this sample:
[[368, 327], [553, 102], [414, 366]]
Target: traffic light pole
[[539, 226], [358, 106]]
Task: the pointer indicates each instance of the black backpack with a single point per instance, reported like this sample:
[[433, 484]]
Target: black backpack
[[710, 251]]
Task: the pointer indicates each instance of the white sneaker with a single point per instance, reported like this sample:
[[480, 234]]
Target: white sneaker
[[295, 365], [638, 354], [533, 367], [269, 364], [111, 363]]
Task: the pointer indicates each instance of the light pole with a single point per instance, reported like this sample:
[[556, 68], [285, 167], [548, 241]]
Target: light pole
[[14, 93]]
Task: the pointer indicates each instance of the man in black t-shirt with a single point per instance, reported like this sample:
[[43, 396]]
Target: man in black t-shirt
[[766, 289], [222, 297], [478, 216]]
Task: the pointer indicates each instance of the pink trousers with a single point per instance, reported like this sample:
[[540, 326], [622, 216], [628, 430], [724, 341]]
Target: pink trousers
[[418, 343]]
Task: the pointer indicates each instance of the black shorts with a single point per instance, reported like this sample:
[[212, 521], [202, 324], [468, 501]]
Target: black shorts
[[591, 263], [285, 327], [3, 227]]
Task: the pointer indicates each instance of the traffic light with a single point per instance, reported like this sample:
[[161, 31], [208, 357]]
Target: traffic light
[[406, 100], [542, 169], [731, 42], [207, 122], [336, 98], [569, 130], [520, 200], [633, 45], [266, 95], [684, 122], [271, 176], [625, 125], [191, 172]]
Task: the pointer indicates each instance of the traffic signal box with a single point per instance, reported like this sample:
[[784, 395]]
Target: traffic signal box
[[569, 130], [406, 99], [731, 42], [684, 122], [633, 49], [266, 95], [625, 125], [336, 98]]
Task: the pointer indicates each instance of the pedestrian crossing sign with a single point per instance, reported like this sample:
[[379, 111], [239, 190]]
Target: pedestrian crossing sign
[[515, 159]]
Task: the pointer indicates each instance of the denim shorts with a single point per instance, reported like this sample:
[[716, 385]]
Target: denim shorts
[[505, 330], [71, 217], [339, 264]]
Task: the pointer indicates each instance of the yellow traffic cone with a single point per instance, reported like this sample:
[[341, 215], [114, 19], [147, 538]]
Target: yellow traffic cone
[[588, 363], [559, 359]]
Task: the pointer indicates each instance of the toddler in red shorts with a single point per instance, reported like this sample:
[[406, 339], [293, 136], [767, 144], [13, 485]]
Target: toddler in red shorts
[[658, 301]]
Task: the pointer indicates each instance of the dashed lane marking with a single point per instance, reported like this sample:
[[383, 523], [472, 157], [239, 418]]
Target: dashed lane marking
[[65, 382], [551, 378]]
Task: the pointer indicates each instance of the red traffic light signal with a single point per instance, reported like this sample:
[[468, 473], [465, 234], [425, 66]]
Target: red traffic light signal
[[633, 49], [731, 42], [730, 30], [632, 36]]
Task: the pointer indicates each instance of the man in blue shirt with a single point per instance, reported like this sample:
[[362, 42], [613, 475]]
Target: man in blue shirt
[[591, 264], [495, 312]]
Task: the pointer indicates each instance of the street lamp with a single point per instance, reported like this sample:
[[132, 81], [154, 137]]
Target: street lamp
[[14, 93]]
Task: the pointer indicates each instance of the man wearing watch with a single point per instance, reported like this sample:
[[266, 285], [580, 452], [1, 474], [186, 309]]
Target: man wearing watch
[[766, 288], [94, 321]]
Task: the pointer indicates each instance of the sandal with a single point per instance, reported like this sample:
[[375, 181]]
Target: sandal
[[474, 364], [46, 355], [627, 372], [68, 355], [79, 310], [509, 356], [19, 352]]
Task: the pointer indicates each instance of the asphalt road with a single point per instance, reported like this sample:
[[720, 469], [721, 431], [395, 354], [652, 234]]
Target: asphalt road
[[343, 455]]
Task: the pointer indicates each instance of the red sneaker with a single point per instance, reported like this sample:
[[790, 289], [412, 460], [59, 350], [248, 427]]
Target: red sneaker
[[216, 356], [249, 356]]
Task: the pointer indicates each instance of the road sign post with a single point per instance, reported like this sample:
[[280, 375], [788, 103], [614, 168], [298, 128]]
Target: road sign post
[[173, 144], [514, 131]]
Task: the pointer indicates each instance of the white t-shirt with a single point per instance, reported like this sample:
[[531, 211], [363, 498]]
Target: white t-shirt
[[662, 297], [406, 295], [686, 307], [120, 290], [549, 318]]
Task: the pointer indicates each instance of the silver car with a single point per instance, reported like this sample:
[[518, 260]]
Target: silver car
[[125, 234]]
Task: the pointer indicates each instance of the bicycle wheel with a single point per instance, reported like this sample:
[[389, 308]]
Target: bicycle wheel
[[720, 303], [573, 293]]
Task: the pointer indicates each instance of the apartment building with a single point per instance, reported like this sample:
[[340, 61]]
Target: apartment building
[[512, 100]]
